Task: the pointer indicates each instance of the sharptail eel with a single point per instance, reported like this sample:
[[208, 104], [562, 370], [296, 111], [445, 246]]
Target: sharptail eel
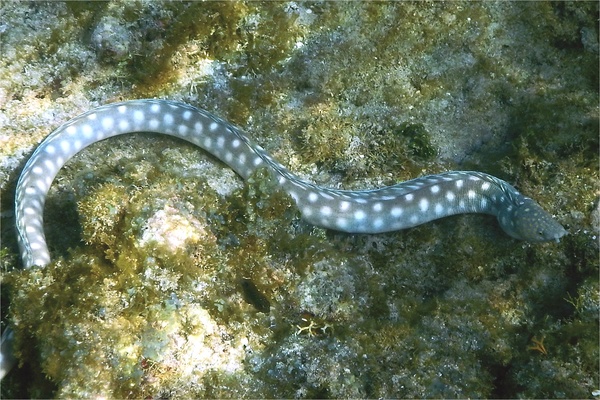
[[390, 208]]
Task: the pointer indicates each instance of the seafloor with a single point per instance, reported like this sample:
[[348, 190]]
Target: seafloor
[[173, 278]]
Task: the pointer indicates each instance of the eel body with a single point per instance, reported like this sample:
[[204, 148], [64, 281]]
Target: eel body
[[401, 206], [391, 208]]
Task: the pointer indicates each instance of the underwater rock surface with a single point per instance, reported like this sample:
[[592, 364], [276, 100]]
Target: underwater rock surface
[[173, 278]]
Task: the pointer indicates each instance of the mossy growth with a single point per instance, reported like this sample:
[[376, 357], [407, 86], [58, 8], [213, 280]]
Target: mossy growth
[[155, 303], [564, 351], [162, 285], [149, 43], [169, 263], [550, 127], [133, 277], [370, 148], [419, 141]]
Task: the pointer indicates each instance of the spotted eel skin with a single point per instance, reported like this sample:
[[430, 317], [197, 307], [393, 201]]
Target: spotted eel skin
[[391, 208]]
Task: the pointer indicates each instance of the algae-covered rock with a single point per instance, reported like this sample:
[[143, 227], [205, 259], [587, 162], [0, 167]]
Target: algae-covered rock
[[173, 278]]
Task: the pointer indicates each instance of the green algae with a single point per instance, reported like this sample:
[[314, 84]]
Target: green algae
[[419, 141], [446, 309]]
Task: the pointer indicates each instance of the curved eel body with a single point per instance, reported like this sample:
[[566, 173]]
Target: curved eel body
[[391, 208]]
